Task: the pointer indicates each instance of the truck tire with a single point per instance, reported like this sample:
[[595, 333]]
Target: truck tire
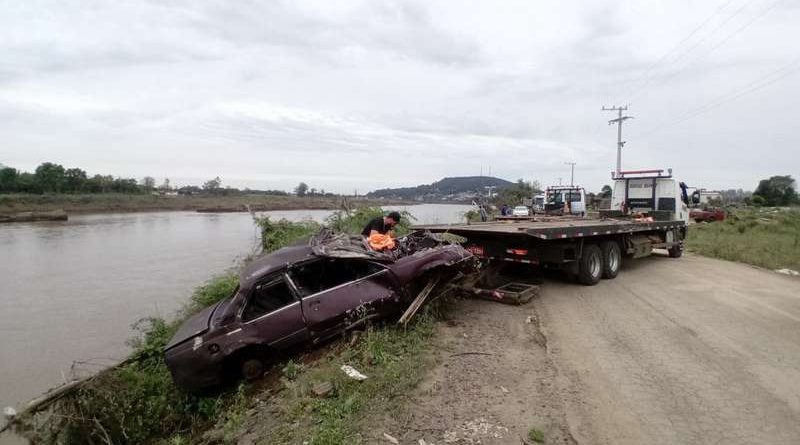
[[590, 266], [675, 251], [612, 259]]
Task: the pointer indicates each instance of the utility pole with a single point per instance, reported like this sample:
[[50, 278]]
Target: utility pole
[[559, 180], [572, 173], [619, 120]]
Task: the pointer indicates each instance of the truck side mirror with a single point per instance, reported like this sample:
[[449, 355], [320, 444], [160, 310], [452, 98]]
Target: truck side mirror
[[695, 197]]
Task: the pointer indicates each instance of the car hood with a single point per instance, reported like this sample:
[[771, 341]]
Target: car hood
[[195, 325]]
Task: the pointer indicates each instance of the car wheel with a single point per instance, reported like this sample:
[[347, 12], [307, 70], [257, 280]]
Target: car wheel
[[612, 259], [252, 369], [590, 266]]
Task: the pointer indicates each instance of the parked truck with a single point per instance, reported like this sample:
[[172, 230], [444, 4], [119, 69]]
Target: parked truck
[[648, 211]]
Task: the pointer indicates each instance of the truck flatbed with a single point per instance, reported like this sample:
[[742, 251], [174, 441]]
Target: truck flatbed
[[547, 228]]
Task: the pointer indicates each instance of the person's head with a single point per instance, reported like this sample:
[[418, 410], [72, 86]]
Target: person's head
[[392, 218]]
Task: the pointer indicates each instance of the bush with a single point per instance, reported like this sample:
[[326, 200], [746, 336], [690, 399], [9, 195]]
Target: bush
[[212, 292], [354, 222], [282, 233]]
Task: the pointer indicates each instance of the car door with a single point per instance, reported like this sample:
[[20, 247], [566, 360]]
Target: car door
[[336, 292], [273, 315]]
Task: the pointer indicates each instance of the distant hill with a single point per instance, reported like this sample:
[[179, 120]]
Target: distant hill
[[462, 188]]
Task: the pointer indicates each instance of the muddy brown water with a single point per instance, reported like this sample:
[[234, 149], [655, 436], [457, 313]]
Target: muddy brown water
[[70, 291]]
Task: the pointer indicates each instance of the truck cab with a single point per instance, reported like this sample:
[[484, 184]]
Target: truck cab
[[650, 193], [566, 199], [538, 203]]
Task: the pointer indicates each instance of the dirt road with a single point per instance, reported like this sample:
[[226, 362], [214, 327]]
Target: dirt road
[[692, 351]]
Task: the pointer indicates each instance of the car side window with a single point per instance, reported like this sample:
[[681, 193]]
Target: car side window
[[267, 297], [318, 276]]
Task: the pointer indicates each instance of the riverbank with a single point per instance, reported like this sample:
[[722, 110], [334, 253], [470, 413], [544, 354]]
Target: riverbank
[[136, 402], [11, 204]]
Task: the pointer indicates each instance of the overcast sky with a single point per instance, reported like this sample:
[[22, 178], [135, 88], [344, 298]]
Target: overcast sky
[[361, 95]]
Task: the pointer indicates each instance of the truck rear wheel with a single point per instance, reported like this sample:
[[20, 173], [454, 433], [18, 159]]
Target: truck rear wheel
[[590, 266], [612, 258]]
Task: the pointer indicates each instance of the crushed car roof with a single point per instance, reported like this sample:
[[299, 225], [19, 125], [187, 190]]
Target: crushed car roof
[[272, 262], [332, 245]]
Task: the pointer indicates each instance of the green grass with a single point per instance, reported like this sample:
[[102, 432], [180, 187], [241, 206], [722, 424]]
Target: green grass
[[536, 435], [394, 360], [765, 237], [281, 233], [354, 221], [120, 202]]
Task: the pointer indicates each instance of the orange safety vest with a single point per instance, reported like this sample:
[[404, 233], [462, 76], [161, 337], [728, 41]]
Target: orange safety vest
[[380, 242]]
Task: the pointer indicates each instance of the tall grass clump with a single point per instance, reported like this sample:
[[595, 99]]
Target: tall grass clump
[[282, 233], [762, 236], [353, 222]]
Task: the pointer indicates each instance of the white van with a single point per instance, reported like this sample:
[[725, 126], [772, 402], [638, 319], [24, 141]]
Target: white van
[[575, 198]]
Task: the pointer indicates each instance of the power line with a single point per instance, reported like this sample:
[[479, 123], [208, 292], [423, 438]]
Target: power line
[[675, 48], [751, 87], [723, 41], [743, 27], [696, 45]]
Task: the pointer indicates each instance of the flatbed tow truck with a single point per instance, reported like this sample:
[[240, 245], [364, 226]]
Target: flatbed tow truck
[[648, 211]]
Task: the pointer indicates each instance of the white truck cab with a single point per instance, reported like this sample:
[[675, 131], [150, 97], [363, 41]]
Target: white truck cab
[[650, 192], [573, 196], [538, 203]]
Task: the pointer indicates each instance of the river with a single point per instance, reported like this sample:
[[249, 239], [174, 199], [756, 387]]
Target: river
[[70, 291]]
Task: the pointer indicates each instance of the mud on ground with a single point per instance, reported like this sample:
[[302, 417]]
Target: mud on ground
[[493, 381]]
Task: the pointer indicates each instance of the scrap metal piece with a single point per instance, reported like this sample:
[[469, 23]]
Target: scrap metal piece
[[418, 302]]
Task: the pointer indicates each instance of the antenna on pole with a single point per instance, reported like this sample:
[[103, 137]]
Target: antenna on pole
[[619, 120], [572, 173]]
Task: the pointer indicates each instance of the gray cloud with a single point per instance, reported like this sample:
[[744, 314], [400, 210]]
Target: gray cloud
[[371, 94]]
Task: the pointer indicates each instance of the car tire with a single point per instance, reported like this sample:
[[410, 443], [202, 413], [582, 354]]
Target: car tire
[[252, 368], [590, 266], [612, 259]]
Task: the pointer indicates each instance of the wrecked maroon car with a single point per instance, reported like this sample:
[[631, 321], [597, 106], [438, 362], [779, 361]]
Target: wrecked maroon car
[[302, 294]]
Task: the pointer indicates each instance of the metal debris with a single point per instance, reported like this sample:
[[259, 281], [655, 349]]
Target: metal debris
[[353, 373]]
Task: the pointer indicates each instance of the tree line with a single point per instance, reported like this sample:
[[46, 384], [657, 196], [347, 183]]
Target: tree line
[[54, 178], [50, 177]]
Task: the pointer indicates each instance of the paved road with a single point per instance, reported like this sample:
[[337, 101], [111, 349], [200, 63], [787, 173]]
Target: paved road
[[689, 351]]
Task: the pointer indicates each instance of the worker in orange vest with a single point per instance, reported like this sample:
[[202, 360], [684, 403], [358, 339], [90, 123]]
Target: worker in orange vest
[[378, 231]]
